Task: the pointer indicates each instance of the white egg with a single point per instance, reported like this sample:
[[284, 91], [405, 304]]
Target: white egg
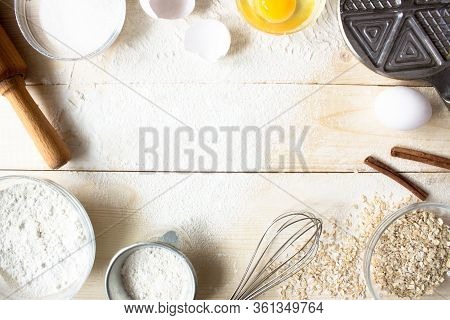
[[168, 9], [210, 39], [402, 108]]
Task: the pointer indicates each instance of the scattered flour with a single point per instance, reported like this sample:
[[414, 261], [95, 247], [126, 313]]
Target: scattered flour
[[156, 273], [41, 233]]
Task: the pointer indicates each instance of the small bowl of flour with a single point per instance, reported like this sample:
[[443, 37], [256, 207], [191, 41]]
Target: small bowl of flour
[[48, 243], [151, 271]]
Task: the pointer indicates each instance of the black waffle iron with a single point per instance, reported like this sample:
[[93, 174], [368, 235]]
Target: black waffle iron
[[401, 39]]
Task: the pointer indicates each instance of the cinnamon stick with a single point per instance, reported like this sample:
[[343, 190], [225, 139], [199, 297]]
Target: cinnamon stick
[[419, 156], [391, 173]]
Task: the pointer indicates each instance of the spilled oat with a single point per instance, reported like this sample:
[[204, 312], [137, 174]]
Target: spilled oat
[[336, 271]]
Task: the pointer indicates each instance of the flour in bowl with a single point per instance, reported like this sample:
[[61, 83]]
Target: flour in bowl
[[157, 273], [41, 235], [75, 28]]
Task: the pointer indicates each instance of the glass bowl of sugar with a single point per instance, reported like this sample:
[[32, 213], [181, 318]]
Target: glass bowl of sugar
[[48, 242], [70, 29], [150, 271]]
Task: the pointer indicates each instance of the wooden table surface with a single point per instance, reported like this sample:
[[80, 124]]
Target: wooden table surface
[[146, 79]]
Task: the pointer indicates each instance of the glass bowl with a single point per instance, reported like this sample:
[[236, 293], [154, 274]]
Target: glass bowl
[[247, 10], [113, 280], [442, 211], [79, 45], [86, 251]]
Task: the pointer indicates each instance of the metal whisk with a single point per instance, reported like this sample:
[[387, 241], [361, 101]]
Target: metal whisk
[[289, 244]]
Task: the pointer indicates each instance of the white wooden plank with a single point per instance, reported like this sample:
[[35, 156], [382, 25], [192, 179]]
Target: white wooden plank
[[101, 124], [150, 51], [220, 217]]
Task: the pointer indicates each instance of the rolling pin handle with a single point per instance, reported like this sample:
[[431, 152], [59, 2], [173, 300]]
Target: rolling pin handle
[[49, 143]]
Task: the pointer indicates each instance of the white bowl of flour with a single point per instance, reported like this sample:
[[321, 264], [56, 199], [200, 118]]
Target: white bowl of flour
[[150, 271], [48, 243]]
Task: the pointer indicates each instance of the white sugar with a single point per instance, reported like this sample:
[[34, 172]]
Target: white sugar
[[79, 27]]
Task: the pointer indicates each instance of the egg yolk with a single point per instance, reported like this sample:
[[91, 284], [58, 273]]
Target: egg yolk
[[276, 11]]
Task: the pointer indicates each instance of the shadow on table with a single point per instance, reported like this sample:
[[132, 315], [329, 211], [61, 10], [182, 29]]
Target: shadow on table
[[209, 269]]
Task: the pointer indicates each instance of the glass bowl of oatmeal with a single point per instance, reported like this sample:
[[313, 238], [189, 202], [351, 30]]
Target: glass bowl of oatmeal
[[408, 256]]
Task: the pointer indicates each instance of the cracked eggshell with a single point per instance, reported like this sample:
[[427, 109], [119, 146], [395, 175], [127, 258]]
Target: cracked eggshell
[[168, 9], [402, 108], [210, 39]]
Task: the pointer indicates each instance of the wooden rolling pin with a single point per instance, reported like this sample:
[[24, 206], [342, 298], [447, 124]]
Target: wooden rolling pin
[[12, 85]]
